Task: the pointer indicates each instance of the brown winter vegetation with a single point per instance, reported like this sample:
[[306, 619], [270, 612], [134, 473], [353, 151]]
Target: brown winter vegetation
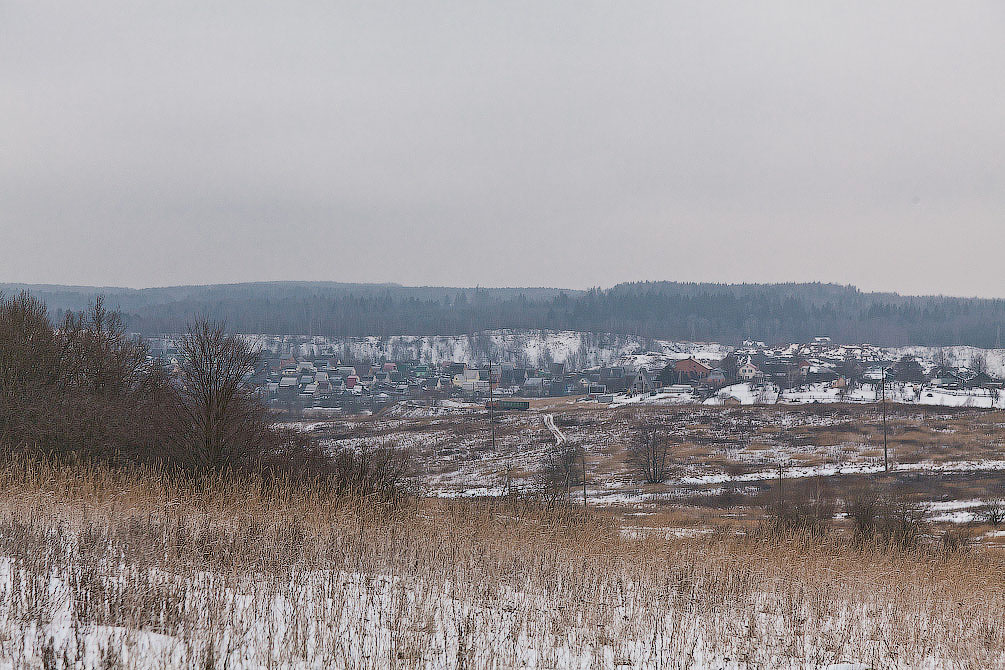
[[150, 520], [153, 570], [85, 392]]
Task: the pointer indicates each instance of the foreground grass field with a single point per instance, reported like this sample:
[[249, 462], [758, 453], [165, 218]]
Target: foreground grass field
[[134, 570]]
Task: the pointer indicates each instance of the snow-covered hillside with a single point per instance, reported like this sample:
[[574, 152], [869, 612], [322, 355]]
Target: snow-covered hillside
[[579, 350], [521, 347], [966, 357]]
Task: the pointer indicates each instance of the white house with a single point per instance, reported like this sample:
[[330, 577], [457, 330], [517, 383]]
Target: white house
[[747, 370]]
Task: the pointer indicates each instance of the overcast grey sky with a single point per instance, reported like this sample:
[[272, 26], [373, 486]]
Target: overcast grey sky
[[508, 144]]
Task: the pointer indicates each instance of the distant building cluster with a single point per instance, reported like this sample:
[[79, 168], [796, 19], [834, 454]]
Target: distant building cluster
[[841, 366], [327, 384], [302, 384]]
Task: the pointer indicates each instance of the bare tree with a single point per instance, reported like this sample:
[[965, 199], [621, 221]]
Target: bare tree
[[561, 470], [222, 419], [84, 389], [30, 362], [649, 453], [993, 513], [87, 390], [112, 392]]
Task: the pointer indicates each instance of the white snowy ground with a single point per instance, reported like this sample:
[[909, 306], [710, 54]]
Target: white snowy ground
[[660, 398], [748, 394], [345, 620], [618, 493]]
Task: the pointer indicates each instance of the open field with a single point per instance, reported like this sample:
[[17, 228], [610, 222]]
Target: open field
[[129, 569], [725, 459]]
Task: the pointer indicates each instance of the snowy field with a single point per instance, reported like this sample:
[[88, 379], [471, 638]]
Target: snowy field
[[116, 572], [939, 454], [351, 620], [105, 570]]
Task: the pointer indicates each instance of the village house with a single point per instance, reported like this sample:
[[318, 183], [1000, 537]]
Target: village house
[[691, 369], [345, 371], [717, 377], [614, 378], [535, 386], [747, 371], [642, 382]]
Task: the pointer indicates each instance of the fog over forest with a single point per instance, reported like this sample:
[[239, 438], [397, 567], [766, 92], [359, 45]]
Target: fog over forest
[[681, 311]]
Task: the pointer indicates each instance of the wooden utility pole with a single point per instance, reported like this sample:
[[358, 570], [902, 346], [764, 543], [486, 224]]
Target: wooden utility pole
[[886, 456], [492, 423], [780, 498]]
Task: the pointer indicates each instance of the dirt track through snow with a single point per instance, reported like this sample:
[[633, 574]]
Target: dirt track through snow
[[549, 422]]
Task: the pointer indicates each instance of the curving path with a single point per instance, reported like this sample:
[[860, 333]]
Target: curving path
[[549, 422]]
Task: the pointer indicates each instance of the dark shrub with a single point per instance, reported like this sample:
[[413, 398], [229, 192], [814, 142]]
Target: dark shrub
[[885, 518], [802, 506]]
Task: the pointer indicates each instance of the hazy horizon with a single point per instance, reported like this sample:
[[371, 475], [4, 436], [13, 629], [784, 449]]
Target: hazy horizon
[[560, 144], [487, 287]]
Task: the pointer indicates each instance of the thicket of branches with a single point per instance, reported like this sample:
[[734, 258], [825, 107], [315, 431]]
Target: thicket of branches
[[86, 391], [649, 453], [561, 473], [884, 517], [802, 506], [80, 390], [877, 515]]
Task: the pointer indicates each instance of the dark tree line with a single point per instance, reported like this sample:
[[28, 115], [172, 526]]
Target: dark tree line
[[83, 391], [720, 312]]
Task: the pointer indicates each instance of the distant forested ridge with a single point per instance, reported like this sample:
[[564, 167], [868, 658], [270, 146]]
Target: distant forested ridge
[[726, 313]]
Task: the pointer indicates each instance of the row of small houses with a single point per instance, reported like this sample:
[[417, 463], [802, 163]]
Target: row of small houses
[[787, 372], [330, 383]]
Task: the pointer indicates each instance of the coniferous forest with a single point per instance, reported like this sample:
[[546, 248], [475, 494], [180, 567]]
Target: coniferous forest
[[684, 311]]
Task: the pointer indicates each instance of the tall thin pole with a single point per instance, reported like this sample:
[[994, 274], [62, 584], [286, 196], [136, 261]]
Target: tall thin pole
[[780, 466], [492, 423], [886, 456]]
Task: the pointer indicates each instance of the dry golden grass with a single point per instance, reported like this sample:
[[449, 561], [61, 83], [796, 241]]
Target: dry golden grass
[[234, 573], [757, 446], [808, 458]]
